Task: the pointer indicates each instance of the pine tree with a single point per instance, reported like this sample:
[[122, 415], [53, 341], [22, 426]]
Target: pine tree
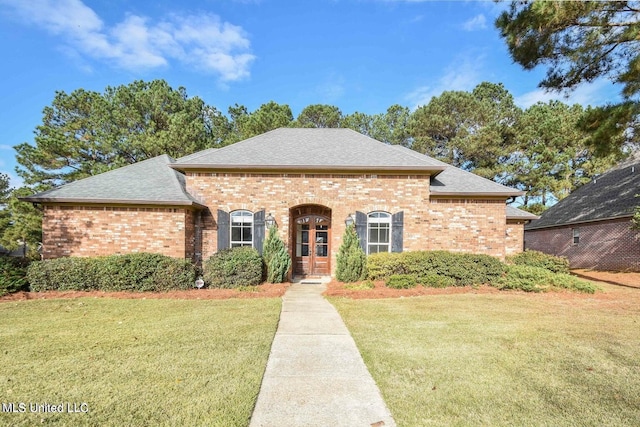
[[276, 257], [352, 261]]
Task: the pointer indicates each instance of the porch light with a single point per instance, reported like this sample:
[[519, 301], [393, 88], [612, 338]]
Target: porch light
[[270, 221], [349, 220]]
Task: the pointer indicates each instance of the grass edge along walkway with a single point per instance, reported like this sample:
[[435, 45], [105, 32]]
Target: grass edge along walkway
[[135, 362], [503, 359]]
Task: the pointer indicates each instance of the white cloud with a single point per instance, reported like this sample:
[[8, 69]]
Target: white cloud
[[203, 41], [595, 93], [460, 75], [478, 22]]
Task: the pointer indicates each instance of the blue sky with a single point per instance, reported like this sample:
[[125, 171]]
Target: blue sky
[[360, 55]]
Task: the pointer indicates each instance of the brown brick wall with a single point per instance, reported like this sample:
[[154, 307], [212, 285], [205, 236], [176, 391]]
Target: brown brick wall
[[94, 231], [514, 237], [605, 245], [463, 225]]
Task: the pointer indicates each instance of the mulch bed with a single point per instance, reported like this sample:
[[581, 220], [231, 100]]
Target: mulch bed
[[613, 277], [262, 291], [334, 289], [337, 289]]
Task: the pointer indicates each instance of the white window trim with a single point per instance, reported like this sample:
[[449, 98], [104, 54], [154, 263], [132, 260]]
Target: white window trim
[[384, 220], [244, 220], [575, 233]]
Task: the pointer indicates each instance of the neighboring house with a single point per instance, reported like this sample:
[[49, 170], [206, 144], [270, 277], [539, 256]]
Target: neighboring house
[[592, 226], [310, 182]]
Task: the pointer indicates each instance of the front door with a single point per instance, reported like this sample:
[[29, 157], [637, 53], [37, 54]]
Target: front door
[[312, 252]]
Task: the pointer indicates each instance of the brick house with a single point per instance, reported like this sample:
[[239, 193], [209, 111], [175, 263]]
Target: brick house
[[592, 226], [310, 182]]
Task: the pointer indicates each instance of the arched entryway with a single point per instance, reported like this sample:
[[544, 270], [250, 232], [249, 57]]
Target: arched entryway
[[311, 240]]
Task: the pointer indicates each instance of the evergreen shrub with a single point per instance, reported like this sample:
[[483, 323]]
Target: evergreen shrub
[[13, 275], [434, 280], [401, 281], [351, 259], [137, 272], [464, 269], [276, 257], [552, 263], [537, 279], [233, 268]]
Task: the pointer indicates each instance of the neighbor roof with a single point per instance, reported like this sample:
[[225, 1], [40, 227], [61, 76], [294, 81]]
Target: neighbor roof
[[457, 182], [609, 196], [309, 149], [515, 213], [146, 182]]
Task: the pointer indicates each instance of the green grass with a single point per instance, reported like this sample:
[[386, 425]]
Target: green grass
[[503, 359], [135, 362]]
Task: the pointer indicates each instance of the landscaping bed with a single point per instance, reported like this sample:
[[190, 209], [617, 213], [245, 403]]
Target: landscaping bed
[[260, 291], [613, 277]]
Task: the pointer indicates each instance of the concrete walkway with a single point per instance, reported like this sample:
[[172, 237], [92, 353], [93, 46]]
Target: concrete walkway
[[315, 375]]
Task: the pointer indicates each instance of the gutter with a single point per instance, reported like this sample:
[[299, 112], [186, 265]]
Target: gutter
[[112, 201]]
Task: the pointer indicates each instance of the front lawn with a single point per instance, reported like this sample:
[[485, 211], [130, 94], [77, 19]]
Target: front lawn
[[503, 359], [133, 362]]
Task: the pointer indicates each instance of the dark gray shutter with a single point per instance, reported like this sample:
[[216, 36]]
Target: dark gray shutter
[[397, 229], [361, 229], [258, 230], [223, 230]]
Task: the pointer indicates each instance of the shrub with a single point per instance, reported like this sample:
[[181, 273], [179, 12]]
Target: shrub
[[64, 274], [401, 281], [13, 275], [465, 269], [131, 272], [276, 257], [537, 279], [552, 263], [351, 259], [232, 268], [384, 264], [363, 286], [433, 280]]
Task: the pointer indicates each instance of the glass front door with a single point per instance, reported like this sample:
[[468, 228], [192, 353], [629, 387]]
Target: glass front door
[[312, 250]]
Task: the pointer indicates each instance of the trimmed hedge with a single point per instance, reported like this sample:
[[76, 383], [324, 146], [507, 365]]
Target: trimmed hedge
[[232, 268], [537, 279], [464, 269], [138, 272], [552, 263], [13, 275]]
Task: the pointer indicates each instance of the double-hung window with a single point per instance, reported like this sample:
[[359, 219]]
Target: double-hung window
[[241, 229], [378, 232]]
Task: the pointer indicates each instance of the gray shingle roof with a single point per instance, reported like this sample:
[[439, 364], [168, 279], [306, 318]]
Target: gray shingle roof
[[515, 213], [146, 182], [457, 182], [611, 195], [309, 149]]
